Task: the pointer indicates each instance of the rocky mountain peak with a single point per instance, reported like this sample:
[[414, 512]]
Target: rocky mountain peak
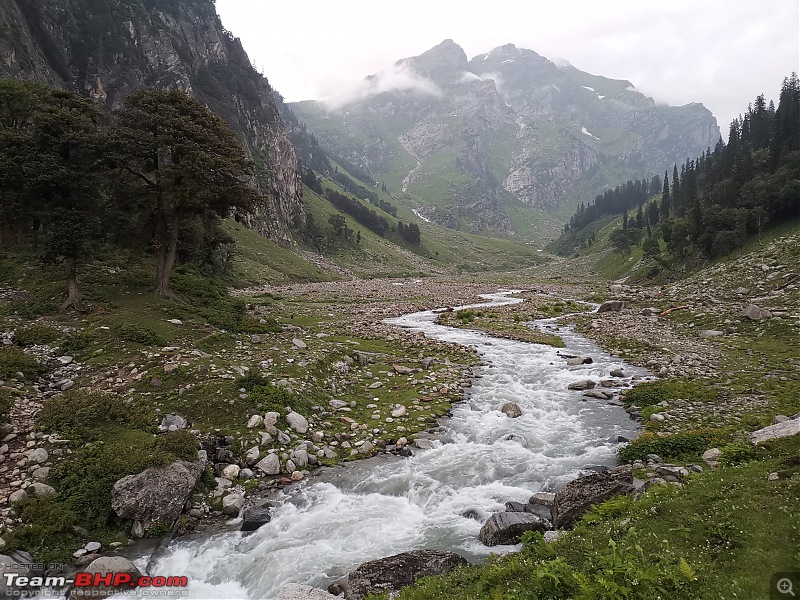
[[444, 64]]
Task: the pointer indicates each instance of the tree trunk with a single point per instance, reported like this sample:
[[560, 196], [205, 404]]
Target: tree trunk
[[167, 252], [73, 292]]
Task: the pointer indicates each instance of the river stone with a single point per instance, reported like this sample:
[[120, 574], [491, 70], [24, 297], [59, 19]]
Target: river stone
[[611, 306], [366, 448], [300, 457], [232, 504], [270, 464], [37, 456], [617, 373], [711, 457], [579, 360], [546, 499], [755, 313], [103, 565], [781, 430], [506, 527], [401, 370], [290, 467], [254, 517], [296, 591], [298, 422], [393, 573], [17, 496], [156, 494], [511, 410], [579, 495], [583, 384], [252, 455]]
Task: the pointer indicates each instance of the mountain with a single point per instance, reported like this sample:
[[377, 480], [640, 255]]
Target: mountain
[[108, 48], [508, 142]]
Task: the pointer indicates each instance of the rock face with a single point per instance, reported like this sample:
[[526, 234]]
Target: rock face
[[156, 495], [507, 527], [159, 45], [450, 127], [395, 572], [780, 430], [103, 565], [576, 497]]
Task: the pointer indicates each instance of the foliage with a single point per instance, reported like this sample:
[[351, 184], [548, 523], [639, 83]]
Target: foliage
[[367, 217], [687, 445], [737, 452], [180, 444], [138, 333], [14, 361], [76, 342], [47, 532], [653, 392], [34, 335], [409, 232]]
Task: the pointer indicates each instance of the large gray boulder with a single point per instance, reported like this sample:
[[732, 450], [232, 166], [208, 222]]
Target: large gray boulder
[[104, 565], [21, 563], [298, 422], [270, 464], [780, 430], [395, 572], [611, 306], [756, 313], [507, 527], [579, 495], [254, 517], [156, 495]]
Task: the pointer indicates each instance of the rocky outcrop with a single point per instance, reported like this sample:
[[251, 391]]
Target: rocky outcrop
[[578, 496], [779, 430], [156, 495], [159, 44], [395, 572], [507, 527]]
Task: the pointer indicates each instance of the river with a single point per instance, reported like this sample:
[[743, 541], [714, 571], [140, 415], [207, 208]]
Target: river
[[369, 509]]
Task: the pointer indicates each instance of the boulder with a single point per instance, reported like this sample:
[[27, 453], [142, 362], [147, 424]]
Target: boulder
[[231, 472], [710, 333], [255, 421], [17, 496], [546, 499], [39, 455], [298, 422], [254, 517], [579, 495], [617, 373], [755, 313], [173, 423], [711, 457], [156, 494], [232, 504], [103, 565], [579, 360], [40, 490], [402, 370], [780, 430], [296, 591], [299, 344], [583, 384], [611, 306], [511, 410], [506, 527], [396, 572]]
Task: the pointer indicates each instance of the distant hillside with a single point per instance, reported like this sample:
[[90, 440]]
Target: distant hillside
[[505, 143]]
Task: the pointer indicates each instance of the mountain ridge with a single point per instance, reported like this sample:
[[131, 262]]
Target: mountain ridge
[[506, 131]]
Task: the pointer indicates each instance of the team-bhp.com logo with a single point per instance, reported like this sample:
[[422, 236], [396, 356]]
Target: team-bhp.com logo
[[89, 582]]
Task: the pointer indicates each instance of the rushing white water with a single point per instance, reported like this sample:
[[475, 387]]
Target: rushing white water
[[330, 524]]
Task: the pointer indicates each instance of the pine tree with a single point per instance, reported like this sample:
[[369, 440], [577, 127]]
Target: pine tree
[[665, 201]]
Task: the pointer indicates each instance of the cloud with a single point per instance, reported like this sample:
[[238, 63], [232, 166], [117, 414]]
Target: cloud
[[398, 78]]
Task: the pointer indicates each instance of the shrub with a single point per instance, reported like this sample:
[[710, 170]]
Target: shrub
[[654, 392], [672, 447], [34, 335], [76, 342], [180, 444], [14, 361], [47, 532], [251, 379], [88, 416], [6, 402], [737, 452], [137, 333]]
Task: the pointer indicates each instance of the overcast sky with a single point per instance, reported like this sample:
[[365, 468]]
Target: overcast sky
[[719, 52]]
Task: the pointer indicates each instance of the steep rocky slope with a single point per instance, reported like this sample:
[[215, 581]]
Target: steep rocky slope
[[107, 49], [485, 141]]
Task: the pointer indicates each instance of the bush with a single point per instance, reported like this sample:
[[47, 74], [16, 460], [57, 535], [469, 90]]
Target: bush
[[14, 361], [47, 532], [252, 379], [180, 444], [88, 416], [34, 335], [6, 402], [654, 392], [137, 333], [672, 447], [737, 452], [76, 342]]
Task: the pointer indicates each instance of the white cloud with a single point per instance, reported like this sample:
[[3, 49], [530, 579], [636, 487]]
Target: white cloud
[[719, 52], [398, 78]]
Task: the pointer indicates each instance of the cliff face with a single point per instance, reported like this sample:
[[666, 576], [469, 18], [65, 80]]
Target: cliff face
[[108, 48], [506, 133]]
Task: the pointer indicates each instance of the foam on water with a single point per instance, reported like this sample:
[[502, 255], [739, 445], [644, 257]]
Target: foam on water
[[385, 505]]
